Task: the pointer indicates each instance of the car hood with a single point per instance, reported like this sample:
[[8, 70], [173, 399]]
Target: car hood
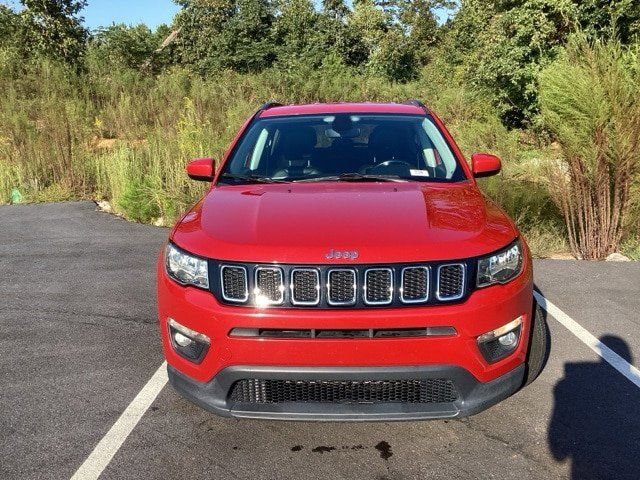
[[380, 222]]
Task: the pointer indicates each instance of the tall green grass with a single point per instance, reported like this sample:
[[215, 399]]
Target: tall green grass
[[125, 137]]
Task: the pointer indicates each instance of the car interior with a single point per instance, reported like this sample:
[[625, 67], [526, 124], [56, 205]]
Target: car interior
[[343, 144]]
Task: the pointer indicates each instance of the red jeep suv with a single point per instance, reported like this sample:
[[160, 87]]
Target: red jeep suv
[[344, 265]]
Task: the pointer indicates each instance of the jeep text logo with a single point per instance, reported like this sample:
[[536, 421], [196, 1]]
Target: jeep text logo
[[337, 254]]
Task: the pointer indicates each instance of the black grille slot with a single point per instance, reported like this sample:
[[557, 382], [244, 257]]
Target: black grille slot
[[415, 284], [450, 281], [305, 287], [234, 284], [434, 390], [378, 286], [342, 287], [269, 284]]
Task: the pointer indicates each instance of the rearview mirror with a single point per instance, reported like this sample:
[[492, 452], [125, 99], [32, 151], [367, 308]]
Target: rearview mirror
[[200, 169], [485, 165]]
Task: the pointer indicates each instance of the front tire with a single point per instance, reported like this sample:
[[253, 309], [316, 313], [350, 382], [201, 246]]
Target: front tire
[[539, 344]]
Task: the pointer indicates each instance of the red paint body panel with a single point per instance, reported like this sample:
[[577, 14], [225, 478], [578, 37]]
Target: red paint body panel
[[330, 108], [298, 223], [385, 222], [484, 164], [200, 169]]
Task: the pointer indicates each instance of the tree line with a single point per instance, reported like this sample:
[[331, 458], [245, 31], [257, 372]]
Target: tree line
[[497, 46]]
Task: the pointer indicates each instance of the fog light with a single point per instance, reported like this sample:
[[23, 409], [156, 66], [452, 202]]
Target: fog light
[[188, 343], [508, 340], [182, 340], [501, 342]]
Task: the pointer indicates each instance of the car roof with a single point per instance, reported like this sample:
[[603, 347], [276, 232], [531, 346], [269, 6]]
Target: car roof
[[330, 108]]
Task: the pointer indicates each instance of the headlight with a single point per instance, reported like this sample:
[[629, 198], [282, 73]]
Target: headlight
[[186, 269], [501, 267]]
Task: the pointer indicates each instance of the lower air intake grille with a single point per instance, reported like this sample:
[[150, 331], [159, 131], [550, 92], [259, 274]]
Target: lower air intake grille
[[450, 281], [435, 390]]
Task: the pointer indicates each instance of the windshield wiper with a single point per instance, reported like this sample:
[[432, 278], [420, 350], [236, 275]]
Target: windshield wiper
[[251, 178], [355, 177]]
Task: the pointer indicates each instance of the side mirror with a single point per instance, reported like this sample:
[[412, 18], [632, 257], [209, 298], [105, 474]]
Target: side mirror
[[200, 169], [485, 165]]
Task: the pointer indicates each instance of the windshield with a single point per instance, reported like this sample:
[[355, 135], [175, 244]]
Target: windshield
[[349, 147]]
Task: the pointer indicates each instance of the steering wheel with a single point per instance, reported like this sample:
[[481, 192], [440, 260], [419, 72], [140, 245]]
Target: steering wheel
[[285, 173], [397, 163], [397, 167]]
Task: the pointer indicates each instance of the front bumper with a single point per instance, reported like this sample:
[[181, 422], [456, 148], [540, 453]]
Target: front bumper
[[473, 395], [457, 357]]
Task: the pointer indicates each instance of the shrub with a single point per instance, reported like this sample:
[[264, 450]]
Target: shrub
[[590, 100]]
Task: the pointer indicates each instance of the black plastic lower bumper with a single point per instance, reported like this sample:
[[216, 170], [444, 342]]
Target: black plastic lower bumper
[[474, 396]]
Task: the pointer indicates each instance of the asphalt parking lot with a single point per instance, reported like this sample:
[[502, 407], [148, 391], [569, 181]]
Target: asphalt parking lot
[[79, 340]]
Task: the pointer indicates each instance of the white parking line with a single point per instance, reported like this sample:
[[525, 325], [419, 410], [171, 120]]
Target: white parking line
[[615, 360], [100, 457]]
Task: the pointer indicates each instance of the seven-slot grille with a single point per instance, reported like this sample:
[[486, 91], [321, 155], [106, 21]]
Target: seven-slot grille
[[325, 286], [261, 391]]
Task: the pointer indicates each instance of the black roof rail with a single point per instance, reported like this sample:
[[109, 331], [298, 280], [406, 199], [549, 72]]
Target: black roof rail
[[269, 105], [417, 103]]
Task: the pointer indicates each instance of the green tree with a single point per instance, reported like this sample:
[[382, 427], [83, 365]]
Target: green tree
[[601, 19], [385, 48], [201, 23], [418, 19], [299, 34], [393, 57], [335, 9], [128, 46], [367, 24], [247, 45], [219, 34], [9, 26], [53, 28], [504, 44]]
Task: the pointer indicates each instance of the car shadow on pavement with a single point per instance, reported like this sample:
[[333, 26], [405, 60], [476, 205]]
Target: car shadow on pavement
[[596, 419]]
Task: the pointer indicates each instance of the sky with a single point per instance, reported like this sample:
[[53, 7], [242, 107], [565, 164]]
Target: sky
[[99, 13], [152, 12]]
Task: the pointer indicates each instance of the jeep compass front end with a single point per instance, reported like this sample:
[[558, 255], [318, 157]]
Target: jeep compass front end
[[344, 265]]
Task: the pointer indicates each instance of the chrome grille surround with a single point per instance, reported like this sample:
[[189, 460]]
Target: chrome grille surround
[[269, 286], [408, 284], [299, 289], [309, 286], [451, 281], [377, 290], [230, 285], [338, 289]]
